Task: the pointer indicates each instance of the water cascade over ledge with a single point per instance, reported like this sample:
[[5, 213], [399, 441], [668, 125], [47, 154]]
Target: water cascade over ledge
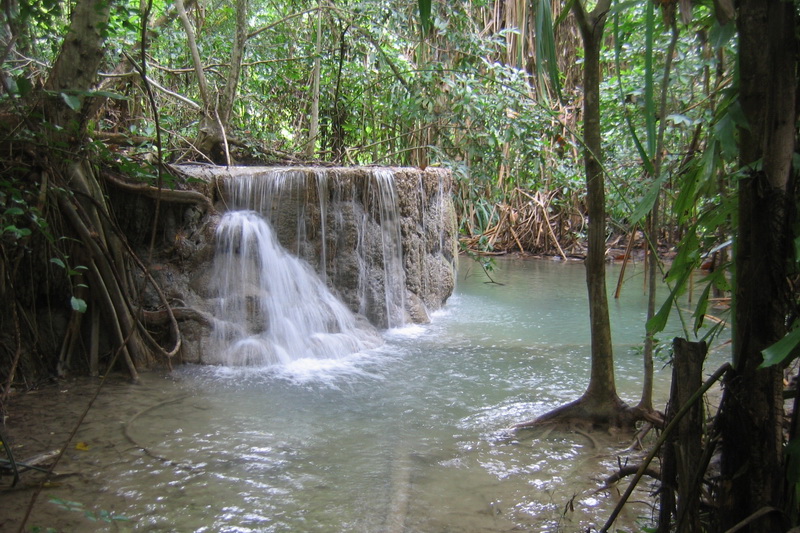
[[308, 262], [275, 307]]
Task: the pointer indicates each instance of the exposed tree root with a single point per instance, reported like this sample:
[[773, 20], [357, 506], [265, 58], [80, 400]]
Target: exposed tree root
[[587, 411], [110, 259], [166, 195], [162, 316]]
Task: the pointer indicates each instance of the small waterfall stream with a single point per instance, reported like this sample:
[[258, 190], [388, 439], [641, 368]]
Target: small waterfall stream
[[393, 274], [274, 307]]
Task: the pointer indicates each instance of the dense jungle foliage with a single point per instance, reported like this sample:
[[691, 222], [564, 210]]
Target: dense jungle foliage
[[492, 92], [696, 129]]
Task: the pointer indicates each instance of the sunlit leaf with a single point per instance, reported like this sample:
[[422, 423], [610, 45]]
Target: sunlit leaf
[[678, 119], [78, 304], [72, 101]]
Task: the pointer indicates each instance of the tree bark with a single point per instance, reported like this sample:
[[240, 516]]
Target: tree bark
[[313, 128], [602, 387], [682, 452], [599, 404], [237, 53], [75, 69], [752, 418], [81, 201]]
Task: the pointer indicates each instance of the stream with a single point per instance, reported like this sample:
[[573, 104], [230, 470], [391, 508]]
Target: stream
[[408, 437]]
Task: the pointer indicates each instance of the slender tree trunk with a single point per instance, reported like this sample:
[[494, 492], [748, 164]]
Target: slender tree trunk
[[654, 228], [752, 417], [600, 403], [211, 134], [237, 53], [313, 129], [602, 387]]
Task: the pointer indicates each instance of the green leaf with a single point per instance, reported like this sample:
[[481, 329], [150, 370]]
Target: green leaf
[[725, 132], [18, 232], [702, 302], [648, 199], [72, 101], [425, 16], [546, 45], [59, 262], [792, 452], [24, 85], [659, 320], [678, 119], [14, 211], [719, 36], [78, 304], [782, 350]]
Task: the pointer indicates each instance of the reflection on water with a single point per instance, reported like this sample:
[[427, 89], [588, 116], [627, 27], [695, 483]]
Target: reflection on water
[[408, 437]]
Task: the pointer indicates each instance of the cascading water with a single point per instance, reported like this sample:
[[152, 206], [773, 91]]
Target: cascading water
[[393, 272], [274, 308]]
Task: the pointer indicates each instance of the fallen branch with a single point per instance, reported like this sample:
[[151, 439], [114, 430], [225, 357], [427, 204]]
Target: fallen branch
[[626, 471]]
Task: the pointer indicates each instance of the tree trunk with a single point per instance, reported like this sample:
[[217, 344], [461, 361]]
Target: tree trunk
[[75, 68], [682, 452], [752, 417], [313, 128], [602, 387], [80, 198], [600, 404], [237, 53]]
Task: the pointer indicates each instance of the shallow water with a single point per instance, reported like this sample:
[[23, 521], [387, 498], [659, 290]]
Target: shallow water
[[408, 437]]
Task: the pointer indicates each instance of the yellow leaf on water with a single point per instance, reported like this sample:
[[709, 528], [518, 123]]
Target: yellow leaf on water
[[82, 446]]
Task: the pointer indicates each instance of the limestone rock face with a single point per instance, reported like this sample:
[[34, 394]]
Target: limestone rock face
[[343, 222]]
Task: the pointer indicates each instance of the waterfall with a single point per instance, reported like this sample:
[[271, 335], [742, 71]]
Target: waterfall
[[393, 272], [273, 307], [276, 306]]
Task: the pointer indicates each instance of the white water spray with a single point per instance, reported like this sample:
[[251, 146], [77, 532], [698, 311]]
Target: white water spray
[[273, 307]]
